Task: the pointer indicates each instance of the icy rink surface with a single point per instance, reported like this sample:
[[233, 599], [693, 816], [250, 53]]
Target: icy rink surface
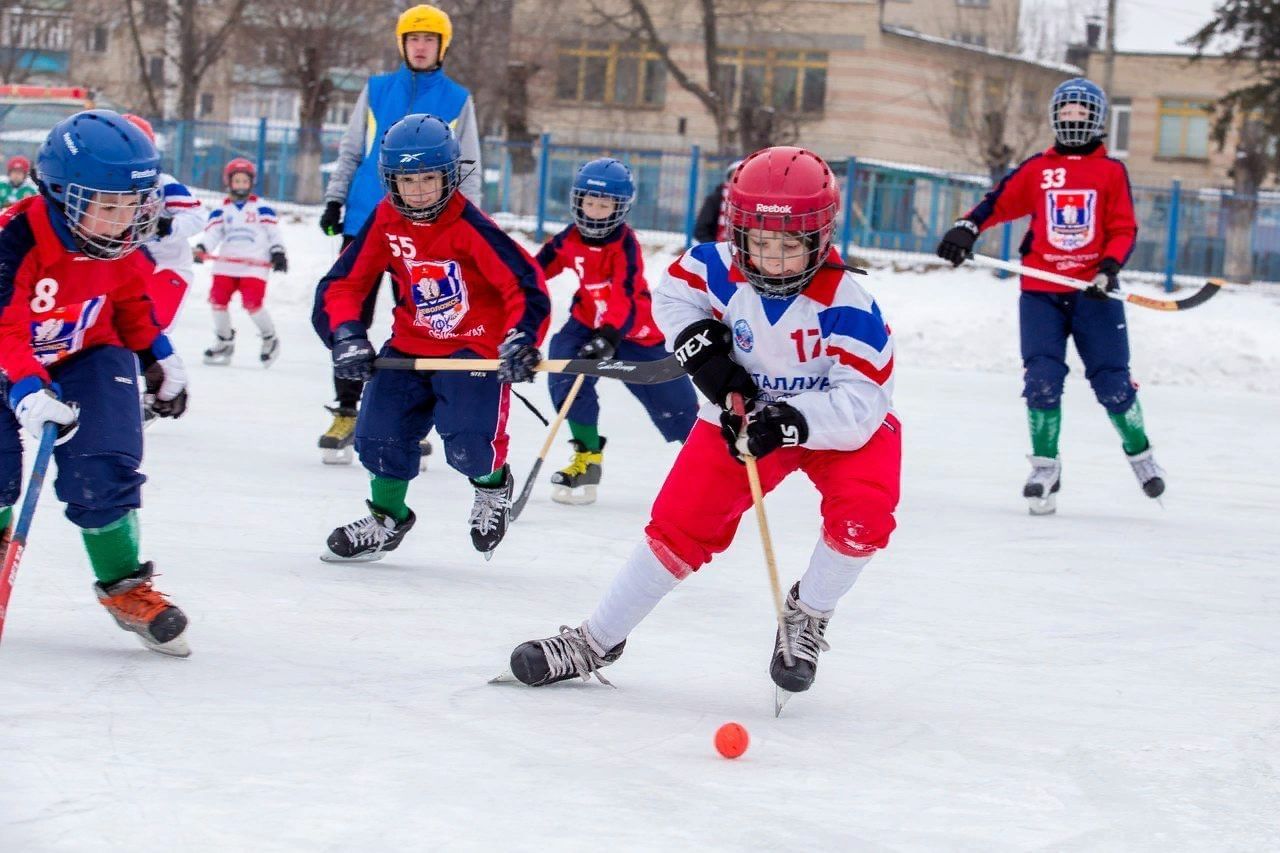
[[1104, 679]]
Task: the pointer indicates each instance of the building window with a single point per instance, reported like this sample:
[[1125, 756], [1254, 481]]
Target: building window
[[978, 3], [206, 103], [1033, 102], [790, 81], [1184, 129], [98, 40], [975, 39], [155, 70], [961, 83], [609, 73], [1121, 114]]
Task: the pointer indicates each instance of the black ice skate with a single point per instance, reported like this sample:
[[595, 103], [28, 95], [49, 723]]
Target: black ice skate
[[140, 608], [1150, 475], [366, 539], [336, 443], [570, 654], [491, 513], [270, 350], [1041, 489], [221, 351], [576, 482], [805, 630]]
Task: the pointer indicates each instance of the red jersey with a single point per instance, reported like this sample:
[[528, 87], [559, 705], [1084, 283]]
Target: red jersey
[[611, 286], [56, 301], [460, 281], [1081, 211]]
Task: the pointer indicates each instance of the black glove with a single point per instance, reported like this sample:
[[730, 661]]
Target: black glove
[[776, 425], [164, 226], [519, 358], [352, 353], [1110, 269], [704, 350], [279, 263], [957, 244], [164, 378], [603, 344], [331, 219], [199, 253]]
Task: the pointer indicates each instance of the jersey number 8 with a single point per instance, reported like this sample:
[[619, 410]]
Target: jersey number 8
[[44, 295]]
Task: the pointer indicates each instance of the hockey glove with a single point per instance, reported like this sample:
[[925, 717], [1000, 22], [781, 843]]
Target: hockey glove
[[353, 355], [957, 244], [1109, 270], [164, 227], [199, 253], [165, 378], [279, 263], [519, 358], [331, 219], [603, 343], [773, 426], [704, 350], [35, 404]]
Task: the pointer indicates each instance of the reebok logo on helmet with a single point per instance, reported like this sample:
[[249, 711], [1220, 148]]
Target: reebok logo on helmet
[[773, 208], [71, 146], [592, 182], [409, 158], [145, 173]]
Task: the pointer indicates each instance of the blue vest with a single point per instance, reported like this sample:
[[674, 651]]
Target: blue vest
[[392, 97]]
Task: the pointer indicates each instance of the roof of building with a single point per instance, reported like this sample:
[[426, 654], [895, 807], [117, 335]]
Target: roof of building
[[903, 32]]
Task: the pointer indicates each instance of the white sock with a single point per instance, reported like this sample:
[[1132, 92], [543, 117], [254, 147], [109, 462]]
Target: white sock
[[222, 322], [829, 576], [636, 590], [262, 320]]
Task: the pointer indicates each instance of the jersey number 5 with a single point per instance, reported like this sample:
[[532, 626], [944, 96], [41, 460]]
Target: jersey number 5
[[402, 247], [799, 335], [1053, 178]]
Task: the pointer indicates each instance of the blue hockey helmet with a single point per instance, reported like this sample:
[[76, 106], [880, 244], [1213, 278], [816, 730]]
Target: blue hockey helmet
[[99, 156], [1078, 90], [603, 178], [419, 144]]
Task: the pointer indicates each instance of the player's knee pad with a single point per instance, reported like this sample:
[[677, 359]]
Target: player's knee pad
[[861, 526], [1042, 382], [1114, 390], [99, 488], [397, 459]]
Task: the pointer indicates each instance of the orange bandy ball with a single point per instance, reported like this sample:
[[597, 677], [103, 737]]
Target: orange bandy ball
[[731, 740]]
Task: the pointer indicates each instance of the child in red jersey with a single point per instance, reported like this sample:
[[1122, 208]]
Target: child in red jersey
[[611, 316], [465, 290], [75, 322]]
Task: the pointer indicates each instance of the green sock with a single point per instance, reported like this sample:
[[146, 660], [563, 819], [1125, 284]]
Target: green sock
[[492, 480], [588, 434], [388, 496], [6, 516], [113, 549], [1133, 433], [1046, 426]]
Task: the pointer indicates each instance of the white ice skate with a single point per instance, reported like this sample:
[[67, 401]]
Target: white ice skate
[[221, 351], [1041, 489], [1149, 473], [270, 350]]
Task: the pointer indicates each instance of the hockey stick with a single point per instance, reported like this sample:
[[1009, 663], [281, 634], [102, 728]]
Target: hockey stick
[[546, 447], [771, 562], [18, 543], [1201, 296], [631, 372], [249, 262]]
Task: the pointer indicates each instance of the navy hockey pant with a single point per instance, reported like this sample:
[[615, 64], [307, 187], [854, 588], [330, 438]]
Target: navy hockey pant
[[98, 476], [401, 406], [1098, 328], [672, 406]]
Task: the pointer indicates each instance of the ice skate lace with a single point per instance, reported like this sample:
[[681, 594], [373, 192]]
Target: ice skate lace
[[141, 603], [577, 465], [571, 653], [1146, 469], [367, 531], [805, 633], [488, 508], [1044, 475], [341, 427]]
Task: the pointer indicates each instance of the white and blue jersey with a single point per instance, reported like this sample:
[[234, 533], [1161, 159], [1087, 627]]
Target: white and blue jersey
[[827, 351], [246, 230], [173, 251]]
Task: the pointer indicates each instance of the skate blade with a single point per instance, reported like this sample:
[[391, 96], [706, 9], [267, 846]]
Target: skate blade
[[566, 495], [504, 677], [330, 557], [175, 648], [337, 455], [1043, 506], [488, 555], [780, 699], [217, 360]]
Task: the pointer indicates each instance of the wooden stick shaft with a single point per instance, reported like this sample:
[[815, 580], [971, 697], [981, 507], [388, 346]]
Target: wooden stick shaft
[[561, 415]]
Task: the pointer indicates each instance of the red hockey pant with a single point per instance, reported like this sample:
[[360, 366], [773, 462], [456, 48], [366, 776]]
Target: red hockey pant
[[252, 291]]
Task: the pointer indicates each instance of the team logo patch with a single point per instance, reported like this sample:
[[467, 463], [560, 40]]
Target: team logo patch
[[439, 295], [62, 331], [742, 336], [1070, 216]]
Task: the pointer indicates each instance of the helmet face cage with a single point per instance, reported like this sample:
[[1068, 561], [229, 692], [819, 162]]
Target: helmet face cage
[[1074, 134], [806, 236], [452, 175], [97, 233], [595, 229]]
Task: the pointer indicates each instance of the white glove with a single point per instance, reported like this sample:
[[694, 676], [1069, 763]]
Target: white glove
[[35, 408], [166, 379]]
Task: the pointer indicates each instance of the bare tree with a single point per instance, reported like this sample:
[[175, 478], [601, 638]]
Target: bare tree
[[26, 29], [479, 55]]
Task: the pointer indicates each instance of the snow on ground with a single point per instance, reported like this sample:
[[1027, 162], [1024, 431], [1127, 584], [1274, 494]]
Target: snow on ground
[[1105, 679]]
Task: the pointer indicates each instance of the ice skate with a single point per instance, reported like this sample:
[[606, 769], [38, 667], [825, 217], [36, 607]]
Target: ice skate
[[491, 513], [221, 351], [270, 350], [576, 482], [424, 447], [139, 607], [1149, 473], [1041, 489], [336, 445], [570, 654], [366, 539], [805, 629]]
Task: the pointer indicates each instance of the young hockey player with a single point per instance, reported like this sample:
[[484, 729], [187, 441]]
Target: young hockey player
[[73, 315], [611, 316], [19, 185], [774, 316], [1083, 226], [244, 234], [465, 290]]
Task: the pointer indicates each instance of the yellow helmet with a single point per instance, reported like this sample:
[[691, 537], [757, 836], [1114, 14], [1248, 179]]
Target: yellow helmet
[[425, 19]]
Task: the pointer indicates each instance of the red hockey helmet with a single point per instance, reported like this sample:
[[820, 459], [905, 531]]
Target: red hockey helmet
[[789, 190], [238, 166], [143, 125], [19, 162]]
